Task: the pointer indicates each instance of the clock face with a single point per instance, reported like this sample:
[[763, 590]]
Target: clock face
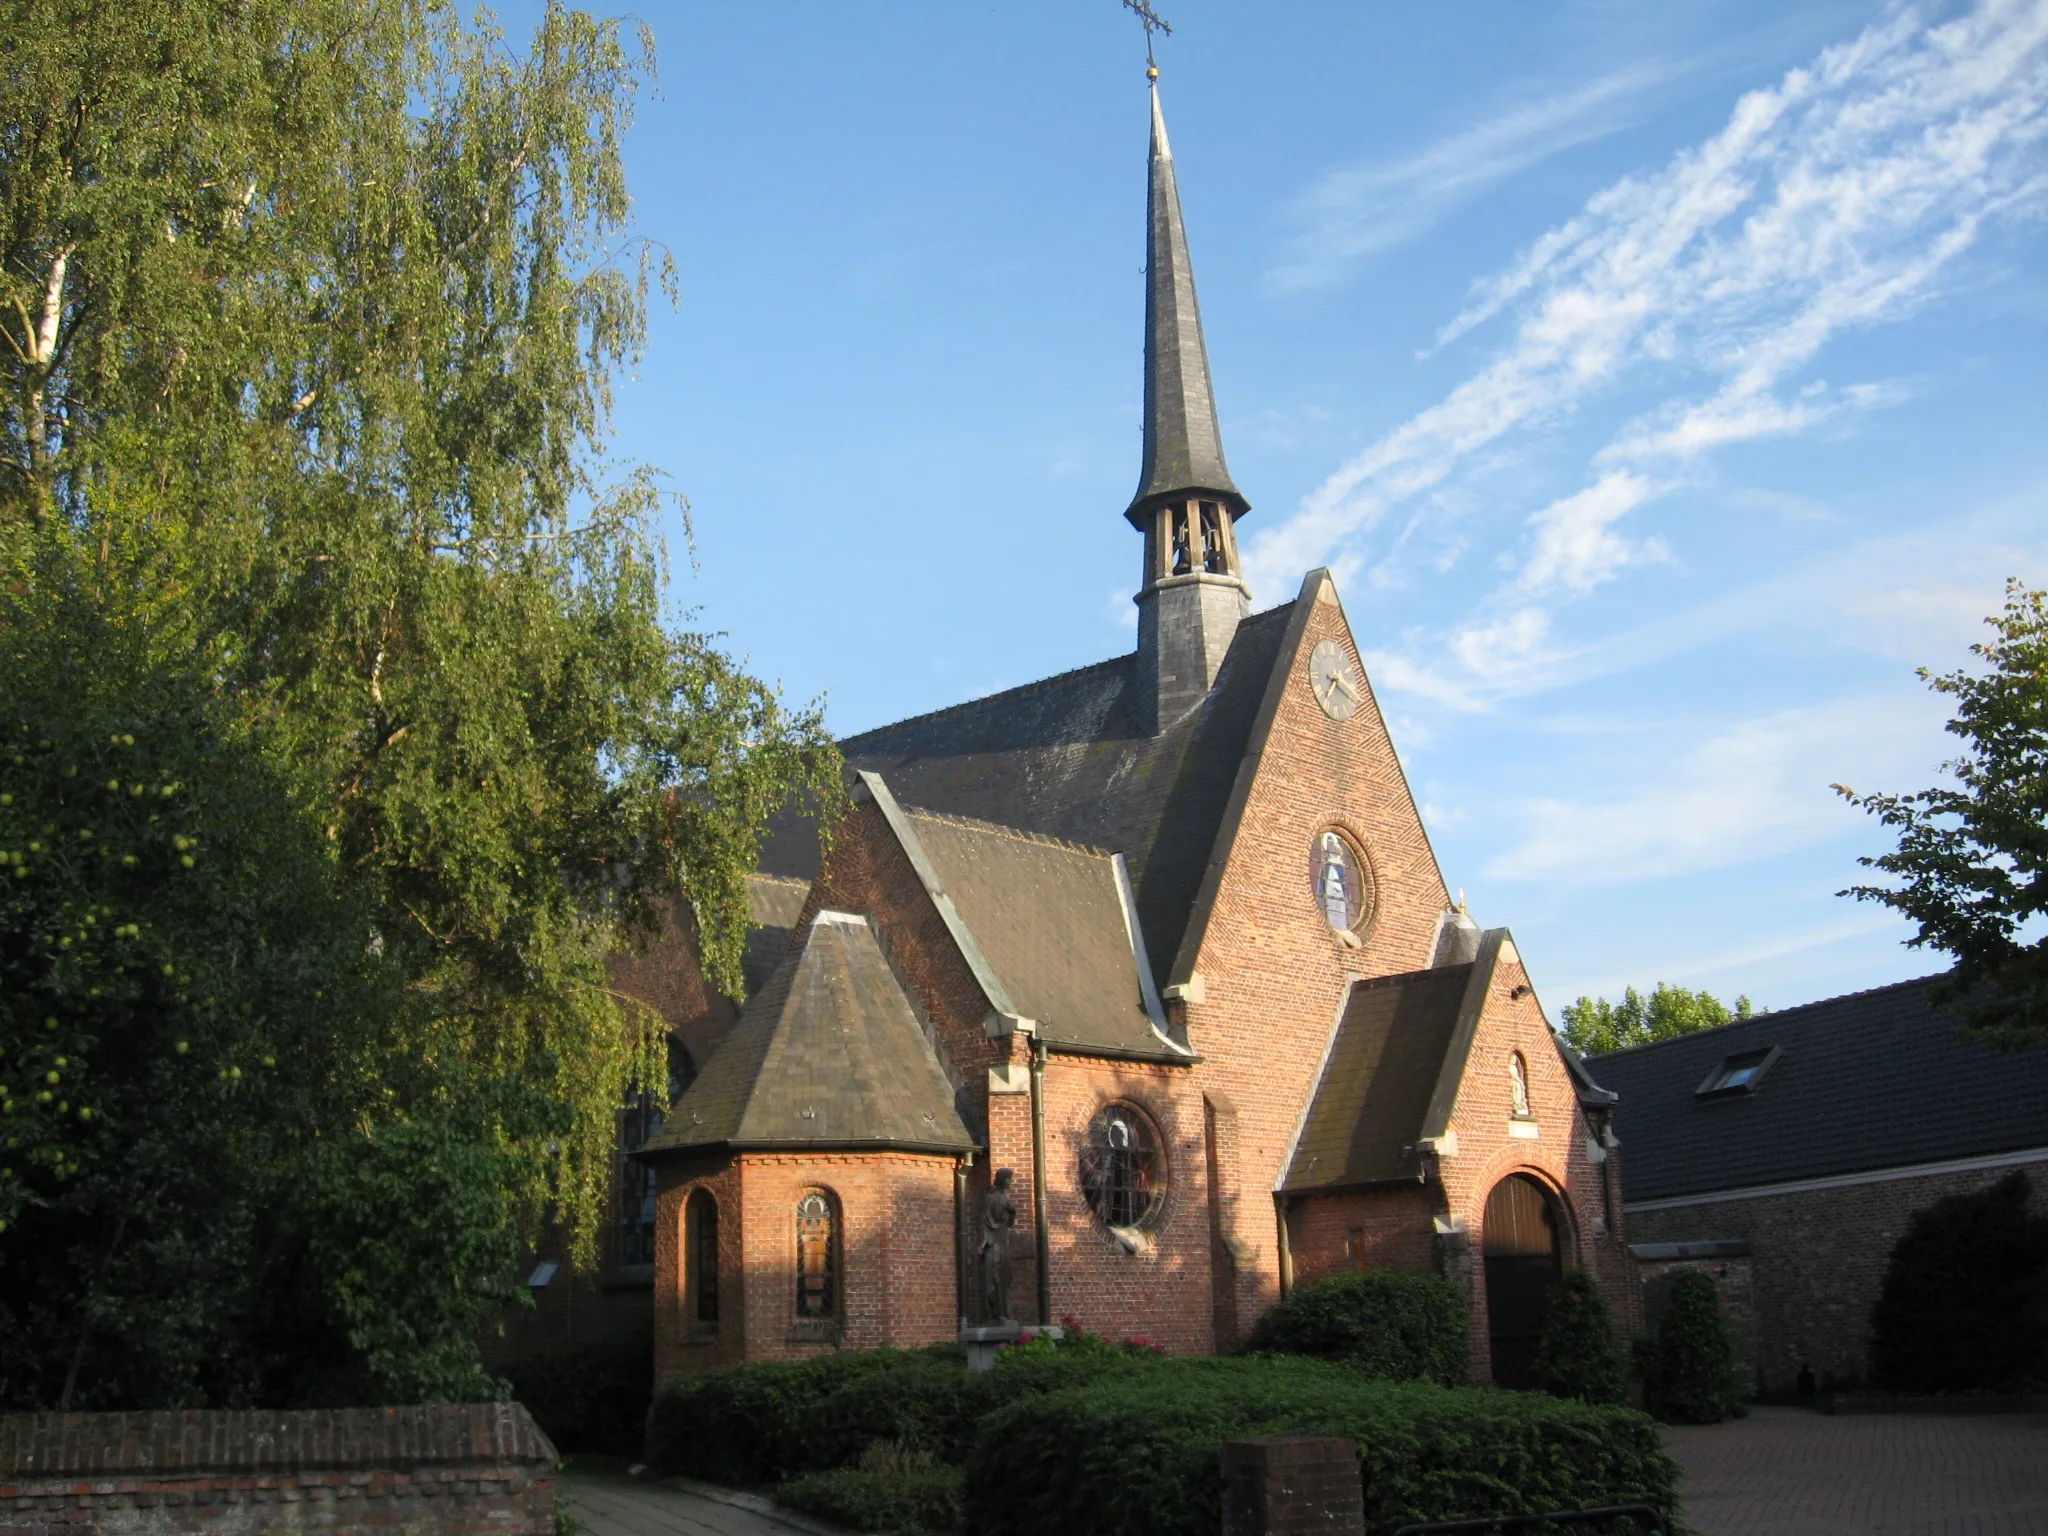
[[1333, 680]]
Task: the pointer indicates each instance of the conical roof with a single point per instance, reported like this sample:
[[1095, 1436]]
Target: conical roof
[[829, 1053], [1183, 445]]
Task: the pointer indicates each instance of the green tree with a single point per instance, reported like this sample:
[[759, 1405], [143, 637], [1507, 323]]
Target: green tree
[[1577, 1356], [1971, 864], [1689, 1370], [1593, 1025], [309, 314]]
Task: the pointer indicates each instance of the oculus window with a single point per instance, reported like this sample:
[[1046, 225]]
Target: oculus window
[[1342, 882], [1123, 1173], [1739, 1073]]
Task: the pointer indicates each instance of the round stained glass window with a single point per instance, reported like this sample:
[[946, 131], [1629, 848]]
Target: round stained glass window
[[1342, 882], [1123, 1174]]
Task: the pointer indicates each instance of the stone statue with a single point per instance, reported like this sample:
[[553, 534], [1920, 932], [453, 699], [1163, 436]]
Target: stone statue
[[998, 1216]]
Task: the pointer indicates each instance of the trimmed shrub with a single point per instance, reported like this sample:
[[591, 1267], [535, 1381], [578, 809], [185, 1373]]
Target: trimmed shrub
[[745, 1426], [1139, 1454], [1399, 1327], [1965, 1298], [1577, 1356], [933, 1406], [593, 1399], [1689, 1370], [895, 1490]]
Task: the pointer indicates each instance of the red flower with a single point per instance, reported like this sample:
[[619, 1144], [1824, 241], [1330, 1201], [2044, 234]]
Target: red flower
[[1026, 1336]]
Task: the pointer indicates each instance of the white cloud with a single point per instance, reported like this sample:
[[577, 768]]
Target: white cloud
[[1356, 213], [1576, 546], [1835, 199], [1752, 788]]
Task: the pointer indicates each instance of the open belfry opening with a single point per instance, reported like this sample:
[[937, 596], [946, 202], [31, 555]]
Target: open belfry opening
[[1132, 996]]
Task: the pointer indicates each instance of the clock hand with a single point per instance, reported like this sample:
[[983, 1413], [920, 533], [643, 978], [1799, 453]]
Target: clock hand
[[1342, 680]]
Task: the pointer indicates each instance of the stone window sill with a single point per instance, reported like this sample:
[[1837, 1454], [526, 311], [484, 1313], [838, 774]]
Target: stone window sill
[[1525, 1128]]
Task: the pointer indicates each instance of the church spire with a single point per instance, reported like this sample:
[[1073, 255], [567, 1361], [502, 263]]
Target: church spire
[[1183, 447], [1193, 595]]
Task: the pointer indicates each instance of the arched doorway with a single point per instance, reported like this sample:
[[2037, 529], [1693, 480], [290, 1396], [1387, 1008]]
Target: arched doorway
[[1521, 1243]]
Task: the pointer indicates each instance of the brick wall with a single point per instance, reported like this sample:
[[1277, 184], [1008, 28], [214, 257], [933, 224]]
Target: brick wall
[[1818, 1259], [1274, 975], [434, 1471], [1385, 1228], [682, 1345]]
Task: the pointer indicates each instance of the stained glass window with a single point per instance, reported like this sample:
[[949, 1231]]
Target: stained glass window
[[1122, 1172], [816, 1256], [701, 1234], [1341, 880], [640, 1118]]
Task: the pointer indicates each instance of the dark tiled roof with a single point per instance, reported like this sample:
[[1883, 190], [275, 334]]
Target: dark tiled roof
[[1374, 1095], [1873, 1080], [774, 903], [1049, 918], [1067, 758], [828, 1053]]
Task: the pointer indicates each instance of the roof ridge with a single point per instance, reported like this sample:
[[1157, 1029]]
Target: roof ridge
[[1000, 693], [1767, 1014], [1263, 615], [1020, 834]]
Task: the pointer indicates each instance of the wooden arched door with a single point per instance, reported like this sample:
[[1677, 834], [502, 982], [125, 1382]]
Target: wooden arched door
[[1522, 1262]]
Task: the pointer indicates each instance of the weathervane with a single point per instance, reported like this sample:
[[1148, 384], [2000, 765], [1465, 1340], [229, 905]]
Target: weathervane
[[1154, 22]]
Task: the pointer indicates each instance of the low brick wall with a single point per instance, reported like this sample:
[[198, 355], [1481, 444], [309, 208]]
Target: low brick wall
[[1301, 1485], [432, 1471]]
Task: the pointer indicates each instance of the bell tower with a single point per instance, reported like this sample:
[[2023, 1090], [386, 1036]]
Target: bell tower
[[1193, 594]]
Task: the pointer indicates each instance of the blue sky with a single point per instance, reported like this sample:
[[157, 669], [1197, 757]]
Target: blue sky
[[1664, 381]]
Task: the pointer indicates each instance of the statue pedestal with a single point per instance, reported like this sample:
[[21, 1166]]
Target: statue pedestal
[[984, 1340]]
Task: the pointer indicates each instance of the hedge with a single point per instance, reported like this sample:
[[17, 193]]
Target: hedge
[[1138, 1454], [888, 1500], [1401, 1327], [1577, 1356], [1689, 1369], [745, 1426]]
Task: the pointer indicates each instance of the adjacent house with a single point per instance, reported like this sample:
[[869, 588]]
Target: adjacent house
[[1785, 1153]]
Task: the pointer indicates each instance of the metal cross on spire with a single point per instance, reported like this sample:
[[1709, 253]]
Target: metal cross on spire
[[1153, 22]]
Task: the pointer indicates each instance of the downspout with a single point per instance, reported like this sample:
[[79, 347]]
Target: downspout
[[960, 1235], [1039, 1221]]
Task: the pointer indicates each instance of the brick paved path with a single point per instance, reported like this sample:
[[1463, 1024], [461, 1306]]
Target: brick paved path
[[605, 1503], [1787, 1472]]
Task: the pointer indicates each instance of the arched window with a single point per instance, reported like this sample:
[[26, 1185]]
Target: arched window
[[1518, 1084], [700, 1237], [639, 1119], [817, 1257], [1123, 1174]]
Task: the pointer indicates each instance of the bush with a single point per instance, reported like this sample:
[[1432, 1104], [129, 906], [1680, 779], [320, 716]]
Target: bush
[[1689, 1371], [592, 1400], [1965, 1298], [1399, 1327], [1577, 1356], [895, 1489], [934, 1406], [745, 1426], [1138, 1454]]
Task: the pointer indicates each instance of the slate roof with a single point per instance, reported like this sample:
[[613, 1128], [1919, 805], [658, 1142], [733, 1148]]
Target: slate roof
[[1068, 758], [1049, 918], [829, 1053], [1183, 444], [1373, 1098], [1873, 1080], [773, 903]]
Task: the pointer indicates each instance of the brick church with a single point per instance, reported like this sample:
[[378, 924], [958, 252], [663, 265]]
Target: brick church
[[1164, 938]]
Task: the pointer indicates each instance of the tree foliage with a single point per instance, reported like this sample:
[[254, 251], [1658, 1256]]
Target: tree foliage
[[1965, 1298], [1594, 1025], [1577, 1356], [309, 314], [1971, 864], [1689, 1367]]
